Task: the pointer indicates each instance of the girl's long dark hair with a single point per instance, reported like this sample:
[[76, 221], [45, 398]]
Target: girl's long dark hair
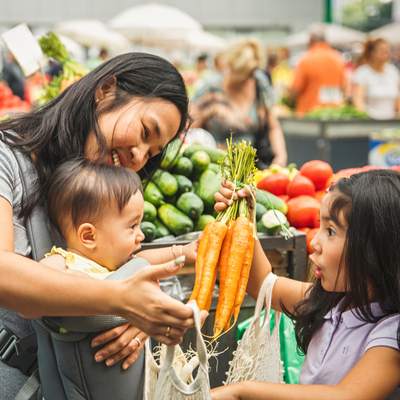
[[61, 127], [369, 203]]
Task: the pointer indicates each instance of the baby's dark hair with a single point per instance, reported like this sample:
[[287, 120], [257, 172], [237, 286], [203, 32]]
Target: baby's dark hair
[[80, 191], [369, 205]]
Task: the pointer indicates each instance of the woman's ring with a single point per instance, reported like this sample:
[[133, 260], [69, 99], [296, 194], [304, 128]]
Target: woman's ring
[[168, 331], [138, 340]]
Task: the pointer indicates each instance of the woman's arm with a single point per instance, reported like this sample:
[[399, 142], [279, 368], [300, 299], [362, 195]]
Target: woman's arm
[[359, 96], [374, 377], [277, 140]]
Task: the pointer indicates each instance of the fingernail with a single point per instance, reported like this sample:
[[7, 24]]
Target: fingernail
[[99, 358], [125, 366], [180, 260], [110, 362], [95, 344]]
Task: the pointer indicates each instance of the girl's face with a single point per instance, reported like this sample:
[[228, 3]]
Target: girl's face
[[118, 234], [328, 247], [381, 53], [136, 132]]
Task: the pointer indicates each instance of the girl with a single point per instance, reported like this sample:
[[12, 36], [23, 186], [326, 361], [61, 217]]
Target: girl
[[97, 208], [347, 323], [124, 112]]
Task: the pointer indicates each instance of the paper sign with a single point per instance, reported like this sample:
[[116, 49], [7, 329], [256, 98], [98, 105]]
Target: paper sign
[[25, 48]]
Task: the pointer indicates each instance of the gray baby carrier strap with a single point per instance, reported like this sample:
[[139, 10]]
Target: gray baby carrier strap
[[66, 360]]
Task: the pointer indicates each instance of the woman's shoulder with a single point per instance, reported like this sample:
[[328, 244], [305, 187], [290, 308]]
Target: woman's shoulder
[[212, 84], [392, 69], [7, 157]]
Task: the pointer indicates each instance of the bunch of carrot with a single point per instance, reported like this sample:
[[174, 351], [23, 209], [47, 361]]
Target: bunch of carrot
[[72, 70], [227, 244]]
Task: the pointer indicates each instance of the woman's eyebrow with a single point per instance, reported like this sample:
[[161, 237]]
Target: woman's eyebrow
[[155, 126]]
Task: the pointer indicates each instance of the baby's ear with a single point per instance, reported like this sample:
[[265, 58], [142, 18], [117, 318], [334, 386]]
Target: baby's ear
[[87, 235]]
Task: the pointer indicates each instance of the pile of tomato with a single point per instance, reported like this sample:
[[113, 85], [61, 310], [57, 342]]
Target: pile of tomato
[[10, 103]]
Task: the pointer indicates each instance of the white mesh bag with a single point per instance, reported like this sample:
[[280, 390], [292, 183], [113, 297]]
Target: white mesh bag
[[170, 385], [257, 357]]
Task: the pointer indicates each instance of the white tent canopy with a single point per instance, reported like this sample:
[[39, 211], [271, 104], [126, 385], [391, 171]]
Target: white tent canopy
[[335, 35], [389, 32], [93, 33]]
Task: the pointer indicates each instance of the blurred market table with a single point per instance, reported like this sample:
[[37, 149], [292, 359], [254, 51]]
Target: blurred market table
[[341, 143]]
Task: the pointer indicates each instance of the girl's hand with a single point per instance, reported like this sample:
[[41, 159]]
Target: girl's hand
[[120, 343], [229, 392], [190, 250], [224, 197]]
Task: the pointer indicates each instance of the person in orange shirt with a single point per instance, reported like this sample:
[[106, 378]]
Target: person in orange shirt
[[319, 77]]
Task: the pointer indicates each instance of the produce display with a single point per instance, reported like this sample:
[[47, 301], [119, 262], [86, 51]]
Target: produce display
[[345, 112], [72, 70], [10, 103]]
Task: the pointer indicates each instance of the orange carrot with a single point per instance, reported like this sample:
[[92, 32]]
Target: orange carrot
[[244, 276], [239, 245], [201, 255], [216, 238], [223, 264]]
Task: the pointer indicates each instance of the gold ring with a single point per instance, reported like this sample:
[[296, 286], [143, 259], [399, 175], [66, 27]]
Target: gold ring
[[138, 340], [168, 331]]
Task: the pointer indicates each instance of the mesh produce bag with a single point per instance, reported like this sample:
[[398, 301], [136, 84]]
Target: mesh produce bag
[[171, 386], [257, 357]]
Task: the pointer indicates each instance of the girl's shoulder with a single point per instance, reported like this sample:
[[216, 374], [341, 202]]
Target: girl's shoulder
[[384, 332]]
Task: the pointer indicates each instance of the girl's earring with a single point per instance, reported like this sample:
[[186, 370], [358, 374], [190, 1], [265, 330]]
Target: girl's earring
[[91, 249], [97, 101]]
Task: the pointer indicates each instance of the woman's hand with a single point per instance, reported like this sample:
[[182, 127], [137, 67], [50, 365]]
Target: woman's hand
[[120, 343], [140, 300], [229, 392], [190, 250]]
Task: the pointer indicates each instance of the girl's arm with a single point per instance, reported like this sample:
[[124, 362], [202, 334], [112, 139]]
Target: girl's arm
[[277, 140], [374, 377]]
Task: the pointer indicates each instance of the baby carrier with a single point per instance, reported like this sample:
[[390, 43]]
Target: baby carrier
[[66, 374]]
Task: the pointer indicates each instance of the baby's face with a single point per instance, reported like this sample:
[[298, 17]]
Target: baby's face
[[118, 234]]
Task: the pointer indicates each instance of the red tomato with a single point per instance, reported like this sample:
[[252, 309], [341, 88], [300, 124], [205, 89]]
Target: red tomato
[[302, 211], [300, 185], [395, 168], [8, 93], [284, 197], [320, 194], [274, 183], [310, 235], [317, 171], [305, 230], [316, 221]]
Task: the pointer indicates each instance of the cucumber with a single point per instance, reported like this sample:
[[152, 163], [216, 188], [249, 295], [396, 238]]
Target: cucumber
[[166, 182], [149, 212], [184, 184], [260, 211], [200, 161], [162, 230], [202, 222], [171, 153], [176, 221], [214, 167], [213, 153], [195, 188], [153, 194], [149, 230], [270, 224], [183, 167], [170, 199], [279, 204], [190, 204], [209, 184]]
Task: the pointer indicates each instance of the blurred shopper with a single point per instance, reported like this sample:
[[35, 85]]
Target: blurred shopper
[[272, 62], [94, 62], [219, 62], [238, 101], [319, 77], [13, 76], [376, 82]]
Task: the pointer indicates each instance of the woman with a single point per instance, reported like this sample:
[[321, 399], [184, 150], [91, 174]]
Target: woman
[[124, 113], [377, 82], [238, 101]]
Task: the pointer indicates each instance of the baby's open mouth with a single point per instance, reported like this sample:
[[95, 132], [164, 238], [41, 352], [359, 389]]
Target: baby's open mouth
[[115, 158]]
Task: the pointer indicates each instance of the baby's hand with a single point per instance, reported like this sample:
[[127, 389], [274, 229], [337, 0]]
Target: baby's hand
[[190, 250]]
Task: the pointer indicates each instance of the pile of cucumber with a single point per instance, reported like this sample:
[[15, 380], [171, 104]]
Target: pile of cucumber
[[180, 197]]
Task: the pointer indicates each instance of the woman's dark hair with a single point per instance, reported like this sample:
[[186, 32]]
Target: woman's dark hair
[[80, 191], [60, 128], [369, 204], [369, 47]]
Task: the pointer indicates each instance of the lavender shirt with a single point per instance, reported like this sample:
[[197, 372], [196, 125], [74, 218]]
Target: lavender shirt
[[342, 341]]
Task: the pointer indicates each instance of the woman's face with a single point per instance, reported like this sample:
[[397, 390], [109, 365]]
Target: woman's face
[[136, 132], [381, 53]]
